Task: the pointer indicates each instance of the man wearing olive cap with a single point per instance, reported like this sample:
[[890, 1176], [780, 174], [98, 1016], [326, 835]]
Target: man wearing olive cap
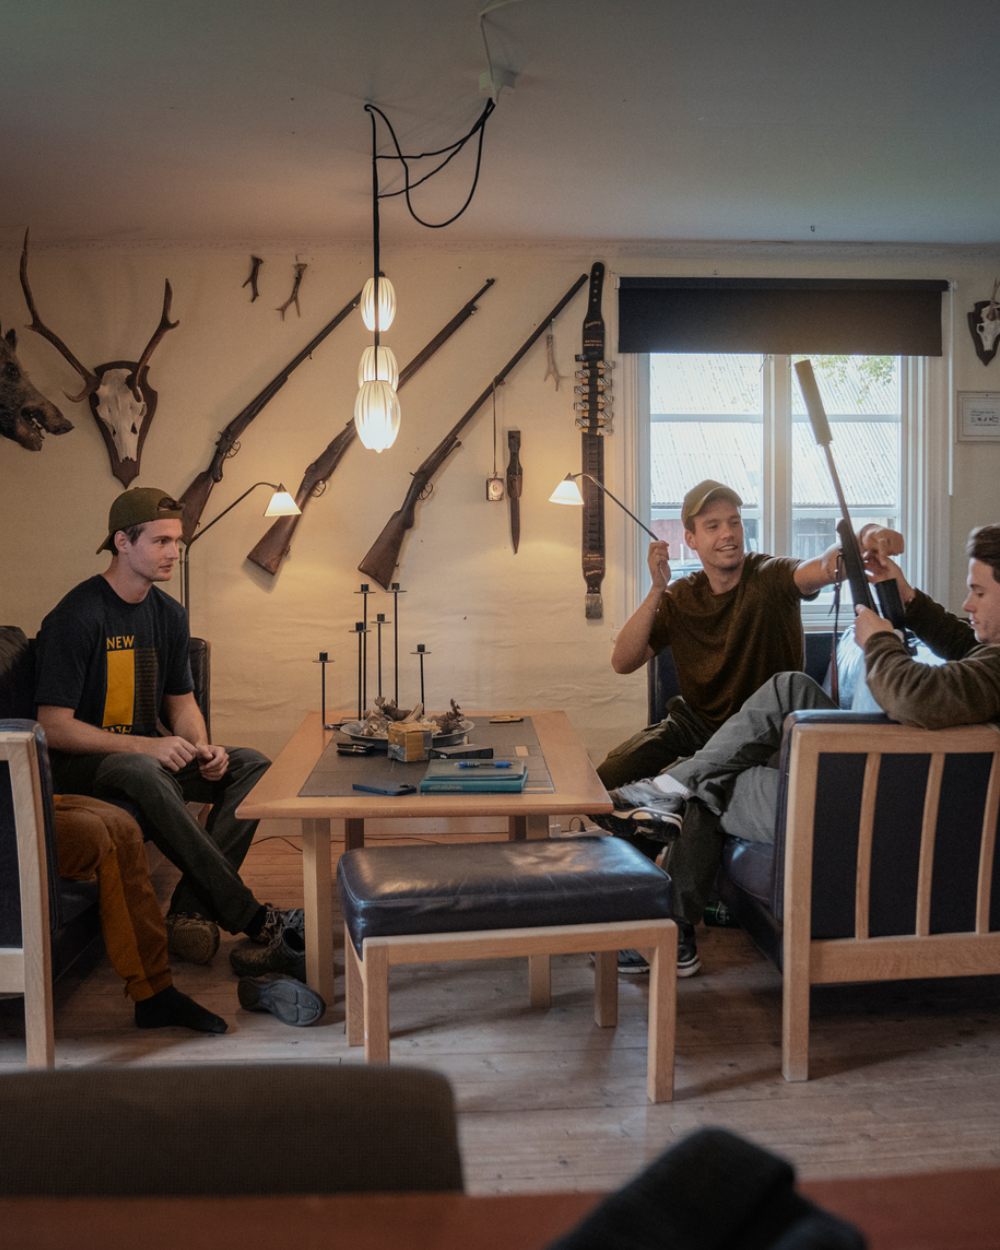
[[730, 626], [112, 665]]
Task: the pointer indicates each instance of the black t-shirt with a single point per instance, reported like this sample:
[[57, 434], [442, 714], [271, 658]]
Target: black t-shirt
[[112, 661]]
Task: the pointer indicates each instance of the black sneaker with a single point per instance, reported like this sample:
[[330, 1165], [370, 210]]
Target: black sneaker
[[632, 964], [292, 1001], [286, 953], [641, 807], [688, 962]]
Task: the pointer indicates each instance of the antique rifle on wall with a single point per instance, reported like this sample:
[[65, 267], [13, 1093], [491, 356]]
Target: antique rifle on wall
[[593, 410], [890, 603], [196, 496], [383, 557], [273, 547]]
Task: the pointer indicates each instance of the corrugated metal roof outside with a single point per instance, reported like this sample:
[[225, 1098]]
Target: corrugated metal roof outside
[[683, 452]]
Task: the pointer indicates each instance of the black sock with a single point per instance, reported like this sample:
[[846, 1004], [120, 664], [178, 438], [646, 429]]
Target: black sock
[[171, 1007], [253, 929]]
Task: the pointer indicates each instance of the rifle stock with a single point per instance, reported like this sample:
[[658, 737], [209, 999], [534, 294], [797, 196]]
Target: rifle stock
[[276, 542], [383, 556], [196, 496]]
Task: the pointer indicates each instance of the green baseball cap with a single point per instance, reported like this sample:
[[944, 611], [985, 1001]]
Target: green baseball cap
[[702, 494], [136, 506]]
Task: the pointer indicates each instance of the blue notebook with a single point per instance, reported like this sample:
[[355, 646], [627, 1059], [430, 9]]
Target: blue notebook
[[474, 777]]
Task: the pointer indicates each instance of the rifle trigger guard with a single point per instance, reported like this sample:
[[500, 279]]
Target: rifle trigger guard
[[426, 492], [232, 449], [319, 488]]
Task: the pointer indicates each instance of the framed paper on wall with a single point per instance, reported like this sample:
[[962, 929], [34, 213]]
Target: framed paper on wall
[[979, 416]]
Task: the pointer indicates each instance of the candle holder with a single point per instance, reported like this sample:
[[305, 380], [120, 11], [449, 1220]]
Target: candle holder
[[360, 630], [396, 592], [364, 591], [323, 661], [379, 622], [421, 651]]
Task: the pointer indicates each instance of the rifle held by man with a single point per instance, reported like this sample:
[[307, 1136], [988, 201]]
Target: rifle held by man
[[196, 496], [383, 557], [274, 546], [890, 603]]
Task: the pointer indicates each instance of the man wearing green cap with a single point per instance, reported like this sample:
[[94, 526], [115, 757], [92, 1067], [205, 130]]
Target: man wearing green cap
[[112, 664], [731, 626]]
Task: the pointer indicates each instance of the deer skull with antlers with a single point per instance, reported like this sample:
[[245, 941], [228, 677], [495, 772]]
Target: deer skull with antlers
[[121, 399]]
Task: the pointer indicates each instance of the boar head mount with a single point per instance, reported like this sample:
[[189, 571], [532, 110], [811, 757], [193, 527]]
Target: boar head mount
[[121, 400], [26, 416]]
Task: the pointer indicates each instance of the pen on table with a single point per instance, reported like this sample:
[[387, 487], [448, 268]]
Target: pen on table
[[484, 763]]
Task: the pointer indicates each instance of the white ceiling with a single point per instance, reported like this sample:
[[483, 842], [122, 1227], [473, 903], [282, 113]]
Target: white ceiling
[[242, 120]]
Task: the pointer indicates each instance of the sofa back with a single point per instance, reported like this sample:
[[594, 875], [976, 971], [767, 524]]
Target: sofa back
[[661, 673]]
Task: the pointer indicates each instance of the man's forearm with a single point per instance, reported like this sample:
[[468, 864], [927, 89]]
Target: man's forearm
[[79, 738], [632, 648]]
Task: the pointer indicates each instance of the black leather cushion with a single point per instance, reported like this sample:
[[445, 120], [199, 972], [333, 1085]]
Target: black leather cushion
[[498, 885]]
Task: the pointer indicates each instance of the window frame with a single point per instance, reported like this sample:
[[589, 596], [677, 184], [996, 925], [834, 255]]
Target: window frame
[[925, 472]]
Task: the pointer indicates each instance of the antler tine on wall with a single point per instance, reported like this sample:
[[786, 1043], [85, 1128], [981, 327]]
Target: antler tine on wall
[[165, 325], [90, 379]]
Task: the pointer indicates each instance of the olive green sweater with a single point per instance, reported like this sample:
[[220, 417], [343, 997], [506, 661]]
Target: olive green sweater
[[964, 691]]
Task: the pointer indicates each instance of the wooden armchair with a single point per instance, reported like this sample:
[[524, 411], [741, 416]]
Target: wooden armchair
[[25, 857], [884, 865]]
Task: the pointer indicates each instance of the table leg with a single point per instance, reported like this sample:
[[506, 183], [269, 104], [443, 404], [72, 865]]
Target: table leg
[[521, 827], [317, 899], [538, 827]]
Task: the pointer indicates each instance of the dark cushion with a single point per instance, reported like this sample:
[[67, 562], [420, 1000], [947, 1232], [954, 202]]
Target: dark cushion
[[391, 890], [17, 674]]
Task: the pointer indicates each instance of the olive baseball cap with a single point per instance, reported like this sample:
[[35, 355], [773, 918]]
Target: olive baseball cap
[[702, 494], [134, 507]]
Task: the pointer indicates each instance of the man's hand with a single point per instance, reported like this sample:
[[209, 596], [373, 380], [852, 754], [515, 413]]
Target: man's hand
[[172, 752], [868, 623], [658, 559], [877, 544], [213, 762]]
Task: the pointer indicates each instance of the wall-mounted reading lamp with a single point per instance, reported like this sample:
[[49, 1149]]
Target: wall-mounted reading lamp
[[568, 492], [281, 504]]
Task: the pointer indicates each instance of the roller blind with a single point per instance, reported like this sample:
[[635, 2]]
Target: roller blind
[[780, 316]]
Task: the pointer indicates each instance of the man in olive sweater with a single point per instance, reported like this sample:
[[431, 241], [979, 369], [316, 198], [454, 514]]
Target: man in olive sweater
[[730, 786]]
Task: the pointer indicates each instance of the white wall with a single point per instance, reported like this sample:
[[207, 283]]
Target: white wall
[[503, 630]]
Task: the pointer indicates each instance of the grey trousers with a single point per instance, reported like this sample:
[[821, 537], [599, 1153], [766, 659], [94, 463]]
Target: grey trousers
[[734, 782], [208, 857]]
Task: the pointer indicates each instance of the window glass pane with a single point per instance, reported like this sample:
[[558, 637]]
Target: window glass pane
[[706, 420]]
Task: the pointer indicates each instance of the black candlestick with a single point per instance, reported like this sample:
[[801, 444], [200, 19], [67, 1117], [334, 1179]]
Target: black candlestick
[[364, 592], [323, 661], [396, 592], [421, 651], [379, 622], [359, 629]]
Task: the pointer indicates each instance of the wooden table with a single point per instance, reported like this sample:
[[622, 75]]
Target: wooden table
[[935, 1211], [576, 789]]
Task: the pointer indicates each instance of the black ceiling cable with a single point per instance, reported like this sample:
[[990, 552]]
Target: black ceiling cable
[[452, 149]]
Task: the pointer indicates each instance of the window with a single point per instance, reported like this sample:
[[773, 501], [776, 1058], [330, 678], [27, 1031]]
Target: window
[[741, 419]]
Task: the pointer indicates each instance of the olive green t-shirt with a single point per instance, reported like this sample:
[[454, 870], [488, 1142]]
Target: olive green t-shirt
[[726, 646]]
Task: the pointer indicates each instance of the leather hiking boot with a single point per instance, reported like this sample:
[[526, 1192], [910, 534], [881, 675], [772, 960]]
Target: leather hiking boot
[[286, 953], [192, 938], [275, 920], [292, 1001]]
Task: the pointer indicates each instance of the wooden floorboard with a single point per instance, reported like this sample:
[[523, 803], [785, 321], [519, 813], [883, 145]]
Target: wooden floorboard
[[906, 1077]]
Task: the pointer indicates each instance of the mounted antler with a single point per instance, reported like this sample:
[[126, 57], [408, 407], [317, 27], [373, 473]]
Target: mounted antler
[[165, 325], [120, 397], [91, 380]]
